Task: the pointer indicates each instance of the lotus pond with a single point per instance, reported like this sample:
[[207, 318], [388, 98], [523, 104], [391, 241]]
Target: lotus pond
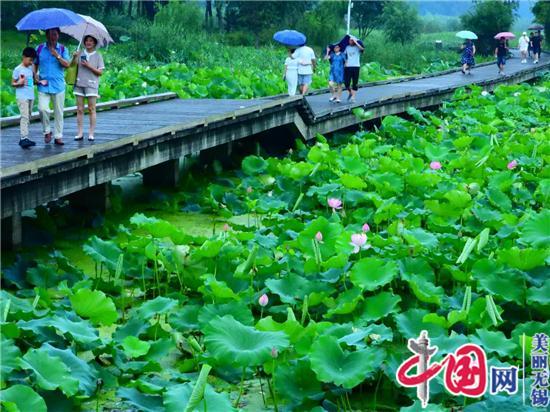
[[315, 270]]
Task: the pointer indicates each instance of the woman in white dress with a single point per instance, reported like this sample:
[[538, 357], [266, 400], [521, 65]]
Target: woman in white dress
[[524, 46], [291, 73]]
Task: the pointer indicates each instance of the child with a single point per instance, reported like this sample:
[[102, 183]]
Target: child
[[23, 81], [500, 53], [336, 76], [291, 73], [90, 68]]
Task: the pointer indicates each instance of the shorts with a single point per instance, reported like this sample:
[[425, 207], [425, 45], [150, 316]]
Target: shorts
[[85, 91], [305, 79], [351, 77], [501, 60], [536, 49]]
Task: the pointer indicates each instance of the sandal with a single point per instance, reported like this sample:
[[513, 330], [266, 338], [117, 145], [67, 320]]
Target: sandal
[[79, 137], [47, 137], [91, 138], [58, 142]]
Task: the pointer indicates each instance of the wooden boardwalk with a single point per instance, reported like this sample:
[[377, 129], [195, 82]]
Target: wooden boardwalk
[[139, 137]]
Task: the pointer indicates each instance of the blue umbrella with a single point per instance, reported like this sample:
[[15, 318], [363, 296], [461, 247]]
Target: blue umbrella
[[290, 38], [345, 43], [44, 19]]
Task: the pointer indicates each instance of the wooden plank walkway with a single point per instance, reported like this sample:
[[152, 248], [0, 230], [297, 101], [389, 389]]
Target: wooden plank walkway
[[142, 137]]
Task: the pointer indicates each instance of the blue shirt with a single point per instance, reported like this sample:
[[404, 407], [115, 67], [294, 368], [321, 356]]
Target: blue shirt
[[26, 92], [51, 70]]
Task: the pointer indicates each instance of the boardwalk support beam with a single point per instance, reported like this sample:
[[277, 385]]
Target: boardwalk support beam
[[12, 233], [95, 198], [166, 174]]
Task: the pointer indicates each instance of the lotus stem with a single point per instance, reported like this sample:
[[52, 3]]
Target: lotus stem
[[261, 387], [241, 388]]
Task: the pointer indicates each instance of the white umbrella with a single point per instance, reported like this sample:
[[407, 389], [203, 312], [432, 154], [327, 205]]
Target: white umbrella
[[90, 27]]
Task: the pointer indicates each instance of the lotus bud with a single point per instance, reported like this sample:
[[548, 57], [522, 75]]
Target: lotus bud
[[435, 165], [263, 300], [366, 228], [319, 237], [512, 165]]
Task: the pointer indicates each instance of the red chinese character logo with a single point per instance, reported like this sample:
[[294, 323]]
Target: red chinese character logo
[[465, 370]]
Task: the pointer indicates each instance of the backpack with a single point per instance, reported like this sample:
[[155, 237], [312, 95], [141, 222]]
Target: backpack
[[41, 47]]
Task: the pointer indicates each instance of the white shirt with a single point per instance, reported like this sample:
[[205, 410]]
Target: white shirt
[[305, 56], [291, 64], [353, 54], [523, 43]]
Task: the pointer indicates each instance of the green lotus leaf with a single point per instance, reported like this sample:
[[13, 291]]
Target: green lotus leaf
[[238, 310], [217, 289], [379, 306], [253, 165], [348, 369], [536, 230], [95, 305], [50, 372], [103, 251], [375, 334], [371, 273], [331, 231], [9, 353], [297, 382], [23, 398], [539, 296], [491, 277], [158, 228], [80, 330], [421, 237], [176, 399], [494, 342], [145, 403], [417, 407], [293, 288], [523, 259], [80, 369], [134, 348], [344, 303], [158, 306], [410, 323], [231, 342]]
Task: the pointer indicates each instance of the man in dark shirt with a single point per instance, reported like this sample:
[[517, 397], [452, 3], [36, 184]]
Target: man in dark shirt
[[536, 45], [500, 53]]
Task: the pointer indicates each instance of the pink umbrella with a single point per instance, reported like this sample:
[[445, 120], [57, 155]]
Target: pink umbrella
[[506, 34]]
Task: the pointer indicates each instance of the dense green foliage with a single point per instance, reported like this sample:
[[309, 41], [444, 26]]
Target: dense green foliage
[[487, 19], [460, 251], [401, 21], [541, 10]]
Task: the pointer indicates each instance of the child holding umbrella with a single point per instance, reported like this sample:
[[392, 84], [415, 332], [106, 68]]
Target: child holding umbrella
[[336, 75]]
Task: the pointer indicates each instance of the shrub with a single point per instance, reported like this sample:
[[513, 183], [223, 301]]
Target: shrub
[[401, 22]]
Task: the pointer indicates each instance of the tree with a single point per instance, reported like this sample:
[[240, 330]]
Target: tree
[[487, 19], [401, 21], [319, 23], [208, 14], [367, 15], [541, 10]]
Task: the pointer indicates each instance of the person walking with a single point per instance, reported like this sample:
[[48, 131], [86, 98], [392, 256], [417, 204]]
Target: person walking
[[536, 44], [530, 49], [90, 68], [351, 70], [23, 81], [291, 73], [468, 53], [52, 58], [336, 75], [306, 66], [523, 44], [501, 52]]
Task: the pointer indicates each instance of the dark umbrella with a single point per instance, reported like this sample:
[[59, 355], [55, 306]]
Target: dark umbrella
[[536, 26], [345, 43], [291, 38], [45, 19]]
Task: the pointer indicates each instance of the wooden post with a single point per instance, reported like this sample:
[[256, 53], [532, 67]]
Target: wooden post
[[12, 233], [166, 174]]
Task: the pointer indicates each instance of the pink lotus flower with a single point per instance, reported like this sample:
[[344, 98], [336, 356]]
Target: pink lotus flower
[[226, 228], [512, 165], [334, 204], [366, 228], [435, 165], [319, 237], [263, 301], [359, 242], [274, 352]]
